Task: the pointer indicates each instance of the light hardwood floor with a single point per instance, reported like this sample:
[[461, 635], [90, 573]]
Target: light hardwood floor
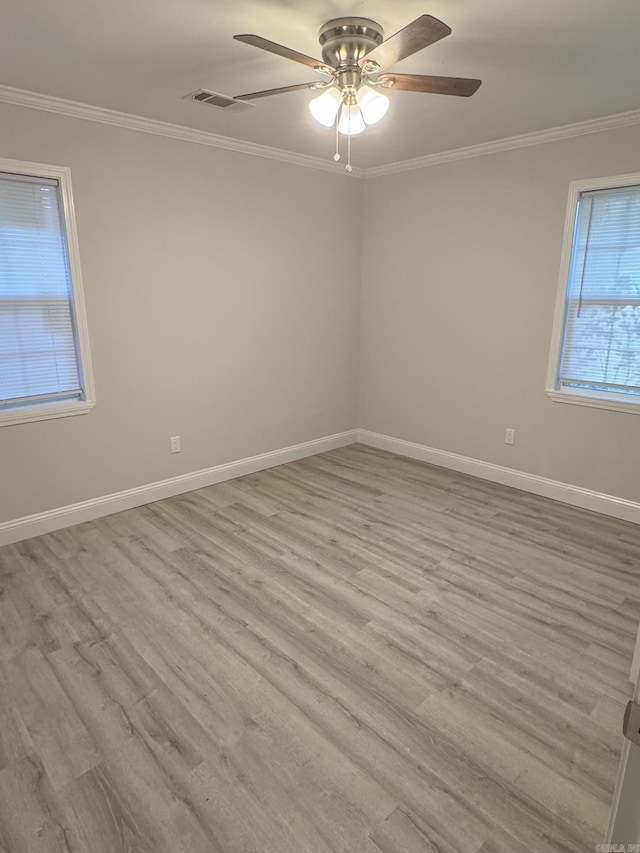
[[355, 652]]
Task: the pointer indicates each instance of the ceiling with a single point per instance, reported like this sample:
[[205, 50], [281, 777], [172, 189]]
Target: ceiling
[[543, 64]]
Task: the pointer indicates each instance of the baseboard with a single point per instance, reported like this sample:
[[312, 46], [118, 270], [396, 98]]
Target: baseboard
[[557, 491], [66, 516]]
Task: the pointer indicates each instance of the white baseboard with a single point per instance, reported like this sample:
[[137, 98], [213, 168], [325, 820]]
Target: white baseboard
[[65, 516], [557, 491]]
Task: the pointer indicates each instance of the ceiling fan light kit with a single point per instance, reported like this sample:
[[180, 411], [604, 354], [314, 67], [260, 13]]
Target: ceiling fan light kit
[[354, 58], [324, 107], [373, 105], [367, 105], [350, 122]]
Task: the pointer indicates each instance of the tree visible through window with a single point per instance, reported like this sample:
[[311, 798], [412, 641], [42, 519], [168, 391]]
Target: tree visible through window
[[599, 356]]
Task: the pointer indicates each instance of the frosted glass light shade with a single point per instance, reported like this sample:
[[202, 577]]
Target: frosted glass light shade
[[373, 105], [351, 121], [325, 107]]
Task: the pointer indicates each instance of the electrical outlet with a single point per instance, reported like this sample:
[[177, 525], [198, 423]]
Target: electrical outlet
[[175, 444], [509, 436]]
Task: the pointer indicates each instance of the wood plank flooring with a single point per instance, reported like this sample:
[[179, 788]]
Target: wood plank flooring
[[354, 652]]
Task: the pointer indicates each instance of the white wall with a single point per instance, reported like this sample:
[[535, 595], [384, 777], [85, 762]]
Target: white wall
[[460, 271], [222, 298]]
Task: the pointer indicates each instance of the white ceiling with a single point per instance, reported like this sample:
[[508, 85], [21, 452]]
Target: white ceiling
[[543, 64]]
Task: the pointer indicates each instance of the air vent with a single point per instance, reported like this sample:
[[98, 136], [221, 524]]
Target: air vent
[[215, 99]]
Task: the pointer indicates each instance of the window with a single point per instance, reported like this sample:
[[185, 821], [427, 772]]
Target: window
[[45, 366], [595, 354]]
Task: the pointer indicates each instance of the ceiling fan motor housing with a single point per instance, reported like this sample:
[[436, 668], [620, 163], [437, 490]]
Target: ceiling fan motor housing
[[345, 41]]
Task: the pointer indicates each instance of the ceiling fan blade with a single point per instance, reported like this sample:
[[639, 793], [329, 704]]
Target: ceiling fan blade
[[462, 86], [295, 88], [279, 49], [422, 32]]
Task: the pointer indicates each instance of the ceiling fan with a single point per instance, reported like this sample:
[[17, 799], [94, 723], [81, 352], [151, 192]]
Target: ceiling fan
[[354, 58]]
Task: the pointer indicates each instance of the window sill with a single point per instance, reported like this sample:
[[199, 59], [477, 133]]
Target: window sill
[[595, 401], [45, 412]]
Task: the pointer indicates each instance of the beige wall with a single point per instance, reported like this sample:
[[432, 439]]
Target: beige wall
[[222, 298], [224, 306], [460, 273]]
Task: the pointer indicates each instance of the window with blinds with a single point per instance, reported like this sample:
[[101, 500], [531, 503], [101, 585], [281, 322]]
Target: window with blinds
[[41, 364], [599, 352]]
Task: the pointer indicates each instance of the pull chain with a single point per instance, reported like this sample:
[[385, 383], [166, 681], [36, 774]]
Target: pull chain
[[336, 156]]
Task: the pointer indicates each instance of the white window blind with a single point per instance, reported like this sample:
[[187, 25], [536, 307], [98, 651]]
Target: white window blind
[[39, 361], [601, 336]]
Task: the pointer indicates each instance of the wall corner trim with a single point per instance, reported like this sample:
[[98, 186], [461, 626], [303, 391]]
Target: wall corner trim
[[564, 492], [18, 529]]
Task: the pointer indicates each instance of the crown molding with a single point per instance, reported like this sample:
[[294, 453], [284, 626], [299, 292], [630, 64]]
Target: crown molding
[[88, 112], [538, 137]]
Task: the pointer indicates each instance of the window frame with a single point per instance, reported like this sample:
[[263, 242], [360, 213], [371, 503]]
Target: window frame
[[27, 413], [580, 396]]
